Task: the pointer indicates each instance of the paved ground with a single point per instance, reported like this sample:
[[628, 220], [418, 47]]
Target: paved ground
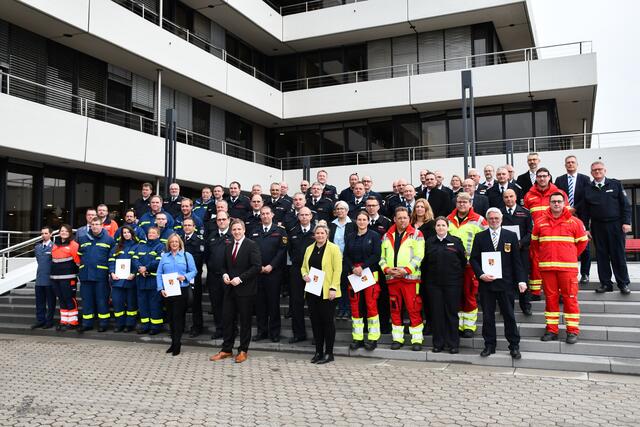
[[62, 381]]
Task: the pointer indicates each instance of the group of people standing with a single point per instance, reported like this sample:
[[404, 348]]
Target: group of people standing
[[428, 260]]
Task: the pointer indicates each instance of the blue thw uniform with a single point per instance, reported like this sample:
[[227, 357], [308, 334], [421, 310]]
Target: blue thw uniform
[[203, 210], [137, 231], [94, 277], [149, 220], [45, 296], [165, 233], [123, 290], [177, 226], [149, 299], [273, 248]]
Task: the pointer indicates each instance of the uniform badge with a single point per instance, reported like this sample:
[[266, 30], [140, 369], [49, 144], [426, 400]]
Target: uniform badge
[[284, 240], [507, 247]]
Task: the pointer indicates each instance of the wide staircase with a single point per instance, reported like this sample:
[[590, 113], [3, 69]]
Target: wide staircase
[[609, 338]]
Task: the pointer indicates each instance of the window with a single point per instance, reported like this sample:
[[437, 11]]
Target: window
[[19, 199], [333, 141], [356, 138], [54, 210], [488, 128], [85, 197], [434, 139], [407, 132]]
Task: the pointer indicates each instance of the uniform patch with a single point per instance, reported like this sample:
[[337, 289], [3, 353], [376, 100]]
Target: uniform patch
[[284, 240], [507, 247]]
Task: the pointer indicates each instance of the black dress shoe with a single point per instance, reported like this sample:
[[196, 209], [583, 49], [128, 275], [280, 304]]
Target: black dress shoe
[[603, 288], [128, 328], [316, 357], [356, 345], [275, 339], [154, 331], [396, 345], [416, 347], [294, 340], [454, 350], [37, 325], [326, 359], [170, 349], [370, 345], [467, 333], [515, 354], [176, 350], [436, 350], [48, 326], [535, 298], [584, 279], [118, 329], [59, 327], [259, 337], [527, 311], [487, 351], [623, 290], [549, 336]]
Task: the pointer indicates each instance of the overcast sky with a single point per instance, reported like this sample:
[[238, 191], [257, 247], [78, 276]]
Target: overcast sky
[[614, 28]]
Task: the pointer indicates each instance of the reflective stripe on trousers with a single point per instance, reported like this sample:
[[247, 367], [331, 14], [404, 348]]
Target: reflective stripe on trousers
[[467, 320]]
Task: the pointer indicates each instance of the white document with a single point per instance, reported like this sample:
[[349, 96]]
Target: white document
[[492, 264], [123, 268], [514, 228], [171, 284], [359, 283], [314, 286]]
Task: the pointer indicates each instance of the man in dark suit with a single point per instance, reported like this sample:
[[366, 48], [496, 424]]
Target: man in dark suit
[[575, 184], [527, 179], [479, 202], [502, 290], [241, 266], [514, 214], [438, 200], [328, 190], [440, 180], [347, 194], [496, 192], [357, 202], [239, 205]]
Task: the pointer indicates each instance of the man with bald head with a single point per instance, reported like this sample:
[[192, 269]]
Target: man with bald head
[[440, 186], [479, 202], [501, 183], [284, 192], [475, 176], [397, 199]]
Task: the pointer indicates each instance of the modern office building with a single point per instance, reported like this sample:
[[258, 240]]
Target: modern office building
[[262, 88]]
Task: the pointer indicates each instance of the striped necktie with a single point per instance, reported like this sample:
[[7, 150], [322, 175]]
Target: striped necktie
[[571, 187], [494, 239]]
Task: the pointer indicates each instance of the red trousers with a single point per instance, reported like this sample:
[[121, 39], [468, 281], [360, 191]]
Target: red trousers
[[468, 301], [565, 283], [535, 279], [405, 292], [370, 296]]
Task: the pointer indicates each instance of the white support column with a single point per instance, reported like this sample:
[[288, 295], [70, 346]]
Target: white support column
[[159, 98]]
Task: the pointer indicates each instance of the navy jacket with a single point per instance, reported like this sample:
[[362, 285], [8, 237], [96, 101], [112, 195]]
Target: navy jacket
[[609, 204], [364, 250], [580, 187], [128, 251], [512, 269], [43, 257], [94, 256], [147, 255]]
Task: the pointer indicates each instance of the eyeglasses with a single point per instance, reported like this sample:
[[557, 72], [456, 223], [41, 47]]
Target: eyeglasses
[[556, 201], [222, 219]]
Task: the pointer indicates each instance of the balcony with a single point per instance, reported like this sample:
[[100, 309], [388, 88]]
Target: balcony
[[308, 6]]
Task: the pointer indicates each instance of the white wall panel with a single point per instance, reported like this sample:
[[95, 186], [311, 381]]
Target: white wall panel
[[563, 72], [260, 14], [73, 12], [253, 92]]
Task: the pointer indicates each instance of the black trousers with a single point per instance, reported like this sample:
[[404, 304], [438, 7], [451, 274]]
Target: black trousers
[[323, 322], [216, 296], [177, 313], [444, 302], [384, 307], [240, 307], [268, 304], [488, 299], [296, 302], [609, 240], [585, 261], [196, 306], [524, 298]]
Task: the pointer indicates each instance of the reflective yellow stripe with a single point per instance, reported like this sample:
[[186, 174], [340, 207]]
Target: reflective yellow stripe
[[103, 267], [156, 321], [572, 316], [111, 259], [397, 333], [104, 316], [534, 237], [144, 320], [535, 281], [87, 316], [85, 244], [81, 266], [552, 313], [132, 313], [558, 264], [104, 245], [582, 239], [117, 313], [538, 208], [557, 239], [141, 253]]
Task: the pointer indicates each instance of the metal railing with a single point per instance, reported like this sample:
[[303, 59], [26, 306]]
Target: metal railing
[[10, 237], [489, 147], [439, 65], [308, 6], [61, 100], [19, 249], [197, 40]]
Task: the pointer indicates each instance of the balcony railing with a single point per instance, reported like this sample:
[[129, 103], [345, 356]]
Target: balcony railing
[[439, 65], [483, 148], [62, 100], [308, 6]]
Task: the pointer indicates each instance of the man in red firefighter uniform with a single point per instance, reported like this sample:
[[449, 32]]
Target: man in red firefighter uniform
[[537, 201], [559, 239], [465, 223], [402, 253]]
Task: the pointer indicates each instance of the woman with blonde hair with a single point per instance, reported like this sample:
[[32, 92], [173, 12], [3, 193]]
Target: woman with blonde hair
[[176, 260]]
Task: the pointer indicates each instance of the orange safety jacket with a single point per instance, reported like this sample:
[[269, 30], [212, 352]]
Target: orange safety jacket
[[64, 261], [537, 200], [559, 241], [111, 226]]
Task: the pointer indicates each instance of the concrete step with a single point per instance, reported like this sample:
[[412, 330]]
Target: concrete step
[[530, 359], [634, 286]]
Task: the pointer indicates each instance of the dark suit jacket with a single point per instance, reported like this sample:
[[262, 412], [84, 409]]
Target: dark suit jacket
[[495, 197], [247, 266], [512, 270], [581, 184], [480, 204], [525, 182], [439, 201], [349, 229], [522, 218]]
